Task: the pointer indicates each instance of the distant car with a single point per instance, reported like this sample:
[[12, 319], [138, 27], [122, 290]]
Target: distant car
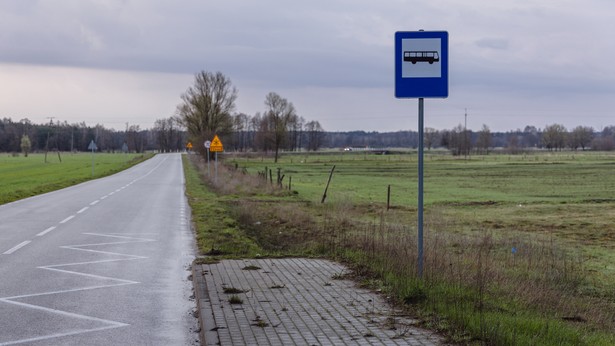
[[347, 149]]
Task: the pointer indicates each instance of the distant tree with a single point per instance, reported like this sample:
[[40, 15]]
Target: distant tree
[[279, 114], [26, 145], [484, 140], [608, 131], [207, 107], [581, 136], [554, 136], [459, 141], [430, 136], [531, 137], [295, 126], [241, 124], [512, 144], [603, 143], [135, 138], [315, 135], [166, 132]]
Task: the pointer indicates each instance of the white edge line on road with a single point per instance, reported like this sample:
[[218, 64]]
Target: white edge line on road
[[17, 247], [103, 197], [46, 231], [95, 202], [67, 219], [83, 209]]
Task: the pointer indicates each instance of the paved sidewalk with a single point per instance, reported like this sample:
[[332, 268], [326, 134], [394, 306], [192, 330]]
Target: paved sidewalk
[[295, 301]]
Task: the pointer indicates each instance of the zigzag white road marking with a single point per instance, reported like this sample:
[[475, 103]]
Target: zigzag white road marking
[[108, 324]]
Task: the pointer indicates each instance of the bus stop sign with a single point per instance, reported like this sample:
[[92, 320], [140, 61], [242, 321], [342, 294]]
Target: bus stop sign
[[421, 64]]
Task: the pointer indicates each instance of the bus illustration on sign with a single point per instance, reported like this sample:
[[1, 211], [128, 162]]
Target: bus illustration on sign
[[414, 56]]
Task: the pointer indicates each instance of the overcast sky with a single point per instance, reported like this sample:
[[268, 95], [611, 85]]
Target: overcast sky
[[511, 63]]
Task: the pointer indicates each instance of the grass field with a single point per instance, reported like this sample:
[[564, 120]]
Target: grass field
[[22, 177], [567, 195], [519, 249]]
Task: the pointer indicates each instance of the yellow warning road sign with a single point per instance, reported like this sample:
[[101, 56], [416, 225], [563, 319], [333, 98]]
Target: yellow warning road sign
[[189, 145], [216, 145]]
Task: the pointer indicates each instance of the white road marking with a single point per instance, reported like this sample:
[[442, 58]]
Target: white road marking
[[17, 247], [46, 231], [107, 324], [59, 335], [83, 209], [68, 219], [103, 197], [95, 202]]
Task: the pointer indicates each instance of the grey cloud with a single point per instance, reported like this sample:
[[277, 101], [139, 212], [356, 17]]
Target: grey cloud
[[493, 43]]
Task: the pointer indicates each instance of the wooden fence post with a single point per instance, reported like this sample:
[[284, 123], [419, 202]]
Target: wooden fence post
[[324, 196]]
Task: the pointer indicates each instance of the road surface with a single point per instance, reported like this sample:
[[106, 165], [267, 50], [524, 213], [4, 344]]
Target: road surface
[[101, 263]]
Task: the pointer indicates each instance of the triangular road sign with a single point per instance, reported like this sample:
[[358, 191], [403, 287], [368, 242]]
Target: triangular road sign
[[216, 145]]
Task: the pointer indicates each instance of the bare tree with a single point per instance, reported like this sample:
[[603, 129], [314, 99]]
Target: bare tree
[[459, 140], [554, 136], [207, 107], [26, 145], [431, 135], [315, 134], [240, 129], [166, 132], [581, 136], [134, 138], [484, 140], [279, 115]]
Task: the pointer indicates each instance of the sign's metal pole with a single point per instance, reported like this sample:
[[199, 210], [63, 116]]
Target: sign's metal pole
[[420, 193], [208, 170], [216, 169], [92, 161]]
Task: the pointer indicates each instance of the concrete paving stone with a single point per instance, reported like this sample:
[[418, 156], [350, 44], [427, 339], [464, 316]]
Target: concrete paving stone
[[298, 302]]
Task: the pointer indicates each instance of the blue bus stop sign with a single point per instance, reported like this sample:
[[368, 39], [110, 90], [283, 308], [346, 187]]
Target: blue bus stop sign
[[421, 64]]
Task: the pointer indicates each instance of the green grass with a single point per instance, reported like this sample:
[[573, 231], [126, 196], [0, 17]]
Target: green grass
[[567, 195], [22, 177], [557, 209], [217, 231], [537, 178]]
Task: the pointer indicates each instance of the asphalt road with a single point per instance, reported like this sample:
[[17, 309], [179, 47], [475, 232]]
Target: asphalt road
[[101, 263]]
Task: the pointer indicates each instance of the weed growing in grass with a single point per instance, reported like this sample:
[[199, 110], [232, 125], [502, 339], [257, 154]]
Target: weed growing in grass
[[251, 267], [235, 300], [233, 290], [259, 322]]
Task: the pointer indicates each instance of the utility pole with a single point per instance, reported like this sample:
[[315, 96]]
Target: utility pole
[[466, 148]]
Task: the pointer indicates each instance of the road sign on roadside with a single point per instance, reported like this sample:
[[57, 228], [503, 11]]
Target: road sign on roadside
[[421, 64], [207, 144], [189, 146], [216, 145], [421, 71], [92, 146]]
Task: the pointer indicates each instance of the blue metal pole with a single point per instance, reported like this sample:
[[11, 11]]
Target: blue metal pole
[[420, 193]]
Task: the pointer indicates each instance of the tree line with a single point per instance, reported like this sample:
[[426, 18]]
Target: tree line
[[257, 133], [25, 136], [461, 141], [207, 108]]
